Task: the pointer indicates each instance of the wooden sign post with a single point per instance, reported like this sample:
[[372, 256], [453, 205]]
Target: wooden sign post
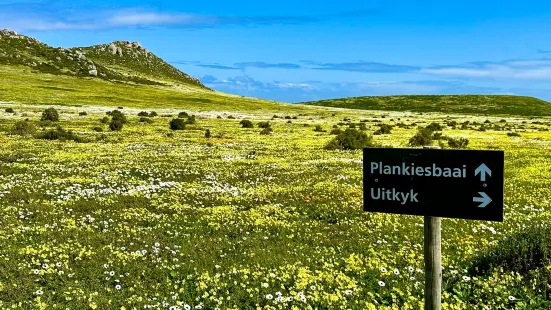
[[434, 183]]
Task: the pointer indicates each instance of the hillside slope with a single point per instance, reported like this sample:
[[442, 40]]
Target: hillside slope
[[463, 104], [118, 61]]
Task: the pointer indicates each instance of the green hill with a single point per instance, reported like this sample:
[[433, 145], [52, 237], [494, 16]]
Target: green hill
[[119, 61], [116, 74], [462, 104]]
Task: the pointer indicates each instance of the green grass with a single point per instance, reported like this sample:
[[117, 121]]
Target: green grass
[[464, 104], [228, 221]]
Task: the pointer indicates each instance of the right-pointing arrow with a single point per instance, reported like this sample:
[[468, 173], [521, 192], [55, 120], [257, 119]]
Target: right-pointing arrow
[[483, 170], [485, 199]]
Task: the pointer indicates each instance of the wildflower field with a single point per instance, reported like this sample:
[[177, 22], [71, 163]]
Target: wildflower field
[[149, 217]]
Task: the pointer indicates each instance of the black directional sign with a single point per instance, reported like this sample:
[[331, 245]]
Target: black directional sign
[[465, 184]]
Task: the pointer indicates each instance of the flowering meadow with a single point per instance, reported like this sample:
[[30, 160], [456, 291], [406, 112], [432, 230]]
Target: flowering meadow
[[149, 218]]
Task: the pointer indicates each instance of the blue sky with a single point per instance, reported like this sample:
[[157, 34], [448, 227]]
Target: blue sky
[[308, 50]]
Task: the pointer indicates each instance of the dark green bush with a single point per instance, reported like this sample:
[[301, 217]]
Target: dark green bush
[[384, 129], [459, 143], [422, 138], [116, 125], [264, 124], [246, 123], [362, 126], [434, 127], [22, 128], [207, 134], [522, 252], [50, 114], [177, 124], [266, 131], [146, 120], [153, 114], [319, 129], [97, 129], [143, 113], [513, 134], [82, 113], [350, 139], [105, 120], [9, 110], [231, 117], [183, 115], [335, 131], [62, 135], [117, 115], [191, 120]]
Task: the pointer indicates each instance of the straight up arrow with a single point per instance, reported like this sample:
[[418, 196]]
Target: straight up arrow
[[485, 199], [483, 170]]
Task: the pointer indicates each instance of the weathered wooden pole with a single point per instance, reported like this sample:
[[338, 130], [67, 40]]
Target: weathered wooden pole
[[433, 263], [433, 260]]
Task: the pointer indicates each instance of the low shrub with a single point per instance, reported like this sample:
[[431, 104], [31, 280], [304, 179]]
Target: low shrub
[[384, 129], [459, 143], [246, 123], [350, 139], [97, 129], [423, 137], [263, 124], [9, 110], [513, 134], [266, 131], [116, 125], [82, 113], [22, 128], [177, 124], [61, 134], [183, 115], [50, 114]]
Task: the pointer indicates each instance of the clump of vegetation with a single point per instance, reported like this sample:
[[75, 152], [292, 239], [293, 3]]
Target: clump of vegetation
[[207, 134], [513, 134], [22, 128], [266, 131], [117, 115], [319, 129], [146, 120], [363, 126], [116, 125], [335, 131], [191, 120], [105, 120], [526, 253], [82, 113], [9, 110], [246, 123], [183, 115], [350, 139], [62, 135], [263, 124], [459, 143], [384, 129], [153, 114], [50, 114], [97, 129], [143, 114], [434, 127], [177, 124], [423, 137], [231, 117]]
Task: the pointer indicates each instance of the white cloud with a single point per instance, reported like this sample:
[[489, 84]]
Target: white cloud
[[530, 69]]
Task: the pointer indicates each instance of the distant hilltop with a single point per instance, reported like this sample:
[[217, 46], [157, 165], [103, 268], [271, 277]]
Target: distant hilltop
[[461, 104], [122, 61]]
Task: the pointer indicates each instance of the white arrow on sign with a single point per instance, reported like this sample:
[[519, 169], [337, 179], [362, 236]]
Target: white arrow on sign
[[483, 170], [485, 199]]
